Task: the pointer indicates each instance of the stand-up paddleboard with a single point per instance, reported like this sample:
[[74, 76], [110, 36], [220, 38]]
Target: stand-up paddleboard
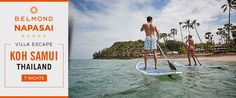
[[201, 66], [150, 70], [216, 66]]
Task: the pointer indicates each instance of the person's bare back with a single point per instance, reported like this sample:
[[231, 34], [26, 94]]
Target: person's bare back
[[149, 29]]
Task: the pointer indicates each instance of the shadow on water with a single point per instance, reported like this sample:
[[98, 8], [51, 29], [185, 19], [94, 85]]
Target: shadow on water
[[170, 78], [127, 92], [166, 78]]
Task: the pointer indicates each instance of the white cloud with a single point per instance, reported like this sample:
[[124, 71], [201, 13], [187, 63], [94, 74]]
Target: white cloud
[[121, 21], [205, 11]]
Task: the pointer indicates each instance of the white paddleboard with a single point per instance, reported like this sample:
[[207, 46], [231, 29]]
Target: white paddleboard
[[201, 66], [150, 70]]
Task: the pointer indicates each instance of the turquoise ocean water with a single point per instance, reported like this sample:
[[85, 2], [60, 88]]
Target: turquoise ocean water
[[120, 79]]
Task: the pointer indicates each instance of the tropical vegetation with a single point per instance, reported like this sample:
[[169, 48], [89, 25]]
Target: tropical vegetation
[[231, 4], [134, 49]]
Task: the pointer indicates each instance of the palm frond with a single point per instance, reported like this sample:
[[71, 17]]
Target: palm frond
[[188, 21], [223, 6], [191, 26], [184, 26], [194, 21], [198, 24], [225, 9]]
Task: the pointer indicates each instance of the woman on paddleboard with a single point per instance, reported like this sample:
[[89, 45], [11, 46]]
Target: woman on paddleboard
[[190, 49]]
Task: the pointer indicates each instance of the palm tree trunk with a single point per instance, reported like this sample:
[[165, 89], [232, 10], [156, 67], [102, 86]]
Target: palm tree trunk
[[229, 25], [197, 33], [188, 31], [181, 33], [198, 36], [221, 40]]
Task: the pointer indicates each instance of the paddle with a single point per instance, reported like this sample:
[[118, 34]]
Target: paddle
[[172, 67], [197, 60]]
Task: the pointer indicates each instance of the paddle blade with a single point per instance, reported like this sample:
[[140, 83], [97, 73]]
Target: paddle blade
[[172, 67]]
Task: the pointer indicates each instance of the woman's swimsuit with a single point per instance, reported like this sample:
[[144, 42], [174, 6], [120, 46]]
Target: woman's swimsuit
[[191, 47]]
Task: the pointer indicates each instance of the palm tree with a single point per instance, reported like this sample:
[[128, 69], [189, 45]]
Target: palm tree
[[187, 25], [173, 32], [208, 36], [195, 24], [163, 36], [231, 4], [180, 23], [222, 34], [227, 27]]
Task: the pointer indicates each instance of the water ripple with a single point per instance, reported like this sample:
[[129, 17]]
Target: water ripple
[[120, 79]]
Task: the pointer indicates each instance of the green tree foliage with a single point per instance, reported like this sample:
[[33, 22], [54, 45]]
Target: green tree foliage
[[233, 30], [134, 49], [223, 35], [121, 50], [173, 45], [164, 37], [208, 47]]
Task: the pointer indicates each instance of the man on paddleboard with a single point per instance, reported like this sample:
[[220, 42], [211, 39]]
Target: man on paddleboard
[[150, 43]]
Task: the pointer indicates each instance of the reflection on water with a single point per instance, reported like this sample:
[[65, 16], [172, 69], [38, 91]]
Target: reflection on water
[[120, 79]]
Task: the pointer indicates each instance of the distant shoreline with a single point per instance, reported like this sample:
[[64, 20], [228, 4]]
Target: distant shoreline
[[213, 57]]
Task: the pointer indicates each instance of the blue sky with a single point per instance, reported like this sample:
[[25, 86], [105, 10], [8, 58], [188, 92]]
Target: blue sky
[[97, 24]]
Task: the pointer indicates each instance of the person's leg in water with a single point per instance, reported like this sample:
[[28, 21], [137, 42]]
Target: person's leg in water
[[155, 57], [145, 58], [193, 58], [189, 61]]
